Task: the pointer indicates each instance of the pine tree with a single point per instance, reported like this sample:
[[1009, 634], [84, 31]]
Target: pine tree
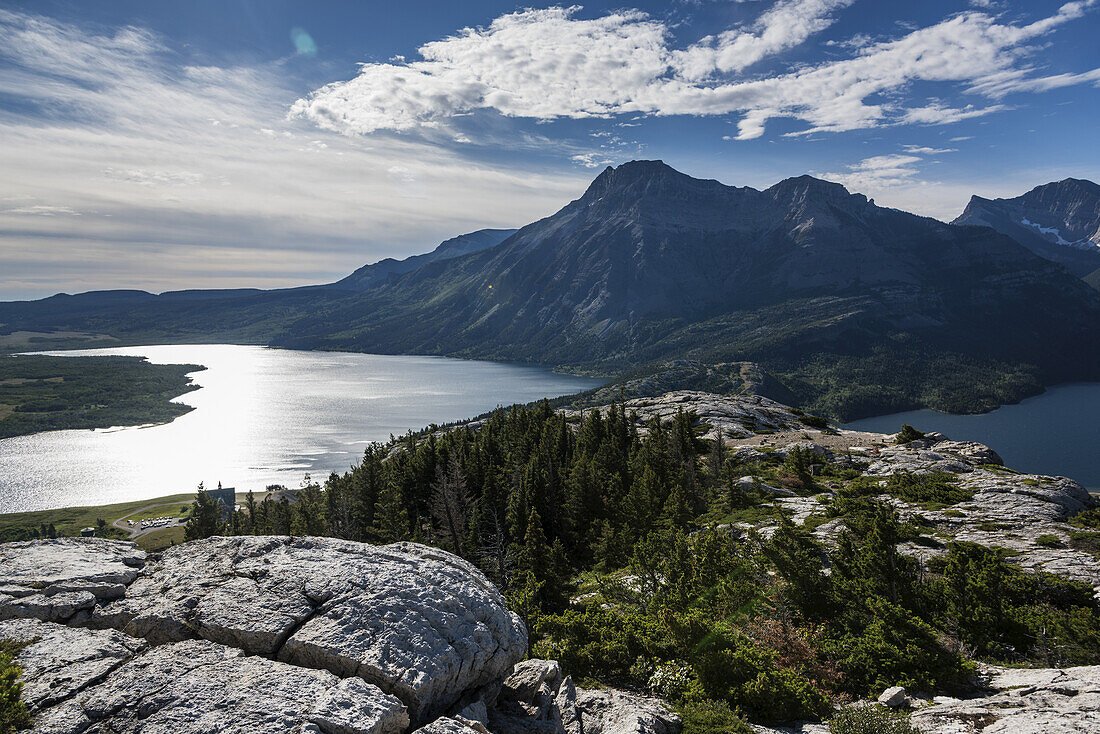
[[450, 506], [391, 519], [206, 517]]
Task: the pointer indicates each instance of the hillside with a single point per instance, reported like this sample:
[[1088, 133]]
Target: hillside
[[372, 275]]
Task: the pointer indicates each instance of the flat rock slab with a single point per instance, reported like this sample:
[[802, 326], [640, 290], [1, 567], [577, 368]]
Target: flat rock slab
[[55, 579], [71, 564], [61, 661], [198, 687], [420, 623], [1022, 701]]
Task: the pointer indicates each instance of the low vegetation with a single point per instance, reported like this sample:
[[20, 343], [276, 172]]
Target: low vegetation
[[870, 720], [931, 491], [13, 712], [40, 393]]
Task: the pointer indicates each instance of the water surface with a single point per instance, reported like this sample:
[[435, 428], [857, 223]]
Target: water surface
[[263, 416], [1056, 433]]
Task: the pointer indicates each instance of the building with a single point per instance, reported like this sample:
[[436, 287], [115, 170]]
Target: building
[[227, 496]]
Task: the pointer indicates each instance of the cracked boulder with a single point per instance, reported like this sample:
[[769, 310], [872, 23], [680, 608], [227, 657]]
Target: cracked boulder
[[197, 686], [418, 622]]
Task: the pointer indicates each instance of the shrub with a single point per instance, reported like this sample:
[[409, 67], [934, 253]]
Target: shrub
[[814, 421], [907, 434], [936, 488], [1048, 540], [711, 717], [13, 712], [602, 644], [671, 680], [1088, 519], [1087, 542], [871, 720]]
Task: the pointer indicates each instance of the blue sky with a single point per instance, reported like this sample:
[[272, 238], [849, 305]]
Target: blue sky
[[165, 145]]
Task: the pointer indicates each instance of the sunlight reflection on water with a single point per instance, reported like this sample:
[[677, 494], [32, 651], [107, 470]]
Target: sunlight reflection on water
[[263, 416]]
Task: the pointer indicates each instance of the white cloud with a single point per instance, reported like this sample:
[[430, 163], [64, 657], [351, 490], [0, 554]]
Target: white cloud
[[113, 127], [42, 210], [870, 175], [890, 174], [938, 114], [591, 160], [786, 25], [925, 150], [552, 63]]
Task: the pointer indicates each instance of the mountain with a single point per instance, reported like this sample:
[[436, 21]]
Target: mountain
[[855, 308], [805, 278], [1093, 279], [1059, 221], [111, 306], [371, 275]]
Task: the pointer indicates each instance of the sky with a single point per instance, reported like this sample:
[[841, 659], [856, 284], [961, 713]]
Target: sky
[[268, 143]]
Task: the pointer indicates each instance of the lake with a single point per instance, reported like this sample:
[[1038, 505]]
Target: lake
[[263, 416], [1056, 433]]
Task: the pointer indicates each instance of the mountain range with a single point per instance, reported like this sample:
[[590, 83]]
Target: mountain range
[[853, 308], [1059, 221]]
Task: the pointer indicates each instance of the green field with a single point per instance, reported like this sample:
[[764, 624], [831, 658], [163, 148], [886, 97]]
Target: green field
[[70, 520], [158, 540]]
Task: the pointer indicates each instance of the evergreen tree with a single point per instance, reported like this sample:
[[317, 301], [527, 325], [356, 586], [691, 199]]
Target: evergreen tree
[[450, 506], [391, 519], [206, 517]]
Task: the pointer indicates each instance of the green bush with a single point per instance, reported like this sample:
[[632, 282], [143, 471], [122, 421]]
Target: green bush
[[938, 488], [603, 644], [1087, 542], [13, 712], [733, 668], [871, 720], [1088, 519], [907, 434], [814, 421], [1048, 540], [711, 717]]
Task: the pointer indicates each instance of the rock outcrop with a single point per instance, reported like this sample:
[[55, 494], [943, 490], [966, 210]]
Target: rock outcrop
[[272, 634], [1021, 701], [103, 680], [731, 416]]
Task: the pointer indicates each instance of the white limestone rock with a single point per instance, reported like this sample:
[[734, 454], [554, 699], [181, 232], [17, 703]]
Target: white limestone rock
[[528, 677], [42, 563], [419, 622], [618, 712], [55, 579], [732, 416], [196, 686], [53, 608], [1021, 701], [893, 697], [62, 661]]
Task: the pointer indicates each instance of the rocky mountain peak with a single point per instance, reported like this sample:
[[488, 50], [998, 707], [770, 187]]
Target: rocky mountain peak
[[1059, 220], [634, 181]]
